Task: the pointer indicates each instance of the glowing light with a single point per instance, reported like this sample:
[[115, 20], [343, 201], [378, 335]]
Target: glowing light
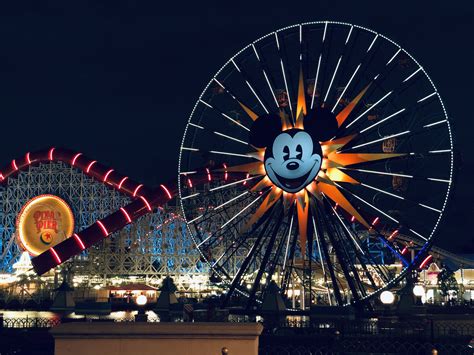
[[426, 97], [101, 225], [404, 250], [1, 177], [79, 241], [394, 233], [425, 262], [231, 138], [232, 154], [125, 213], [418, 290], [121, 182], [50, 153], [381, 139], [246, 178], [345, 88], [55, 254], [382, 121], [27, 158], [190, 183], [393, 57], [353, 219], [412, 75], [90, 166], [374, 222], [146, 203], [373, 41], [332, 79], [75, 158], [238, 214], [370, 108], [387, 297], [15, 167], [141, 300], [166, 191], [209, 178], [107, 174], [136, 190]]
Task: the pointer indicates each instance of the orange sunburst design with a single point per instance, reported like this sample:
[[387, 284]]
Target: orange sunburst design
[[324, 183], [272, 197], [342, 116]]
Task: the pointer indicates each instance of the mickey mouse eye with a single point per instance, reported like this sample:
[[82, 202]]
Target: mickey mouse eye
[[299, 151], [286, 153]]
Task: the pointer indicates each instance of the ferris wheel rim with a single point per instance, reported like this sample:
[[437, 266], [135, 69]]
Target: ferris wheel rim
[[434, 229]]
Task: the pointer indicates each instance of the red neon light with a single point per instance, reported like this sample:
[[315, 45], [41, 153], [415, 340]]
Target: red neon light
[[27, 158], [166, 190], [101, 225], [121, 182], [335, 207], [209, 177], [56, 256], [146, 203], [190, 183], [394, 233], [404, 250], [1, 177], [90, 166], [353, 219], [50, 154], [136, 190], [75, 158], [375, 221], [428, 258], [14, 165], [225, 175], [246, 176], [125, 213], [79, 241], [107, 175]]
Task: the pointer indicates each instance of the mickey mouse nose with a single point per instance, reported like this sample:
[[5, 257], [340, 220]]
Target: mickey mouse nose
[[293, 165]]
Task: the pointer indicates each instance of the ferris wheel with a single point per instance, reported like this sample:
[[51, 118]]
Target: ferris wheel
[[318, 141]]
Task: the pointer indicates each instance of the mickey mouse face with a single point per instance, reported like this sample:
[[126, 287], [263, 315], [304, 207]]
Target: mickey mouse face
[[291, 162], [293, 157]]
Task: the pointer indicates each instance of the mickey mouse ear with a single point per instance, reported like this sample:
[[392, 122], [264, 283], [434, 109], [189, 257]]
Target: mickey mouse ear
[[264, 130], [321, 124]]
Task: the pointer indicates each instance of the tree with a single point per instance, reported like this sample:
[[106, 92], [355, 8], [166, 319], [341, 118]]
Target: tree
[[447, 282]]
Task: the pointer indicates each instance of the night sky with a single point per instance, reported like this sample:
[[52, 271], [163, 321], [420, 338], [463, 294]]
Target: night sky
[[117, 80]]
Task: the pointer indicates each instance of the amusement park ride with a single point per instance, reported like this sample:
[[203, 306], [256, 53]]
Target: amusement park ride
[[316, 157]]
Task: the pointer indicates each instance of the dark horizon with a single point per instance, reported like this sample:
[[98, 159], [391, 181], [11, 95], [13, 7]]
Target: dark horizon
[[118, 81]]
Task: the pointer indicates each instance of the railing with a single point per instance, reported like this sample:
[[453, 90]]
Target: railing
[[28, 322], [425, 329]]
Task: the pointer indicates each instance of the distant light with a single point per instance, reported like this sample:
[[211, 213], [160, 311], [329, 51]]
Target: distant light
[[141, 300], [97, 287], [418, 290], [387, 297]]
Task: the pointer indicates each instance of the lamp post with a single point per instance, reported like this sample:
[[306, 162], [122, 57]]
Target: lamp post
[[141, 316], [419, 292]]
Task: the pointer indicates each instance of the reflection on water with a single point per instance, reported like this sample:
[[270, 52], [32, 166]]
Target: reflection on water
[[116, 316]]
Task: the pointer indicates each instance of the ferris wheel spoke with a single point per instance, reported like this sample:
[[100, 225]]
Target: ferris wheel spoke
[[262, 67], [322, 261], [246, 109], [368, 203], [224, 115], [396, 174], [243, 267], [282, 67], [245, 78], [265, 259]]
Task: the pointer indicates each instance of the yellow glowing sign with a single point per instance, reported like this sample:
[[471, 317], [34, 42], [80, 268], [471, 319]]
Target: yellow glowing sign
[[43, 222]]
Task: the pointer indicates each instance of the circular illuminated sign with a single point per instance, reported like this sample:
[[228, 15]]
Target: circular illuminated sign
[[43, 222]]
